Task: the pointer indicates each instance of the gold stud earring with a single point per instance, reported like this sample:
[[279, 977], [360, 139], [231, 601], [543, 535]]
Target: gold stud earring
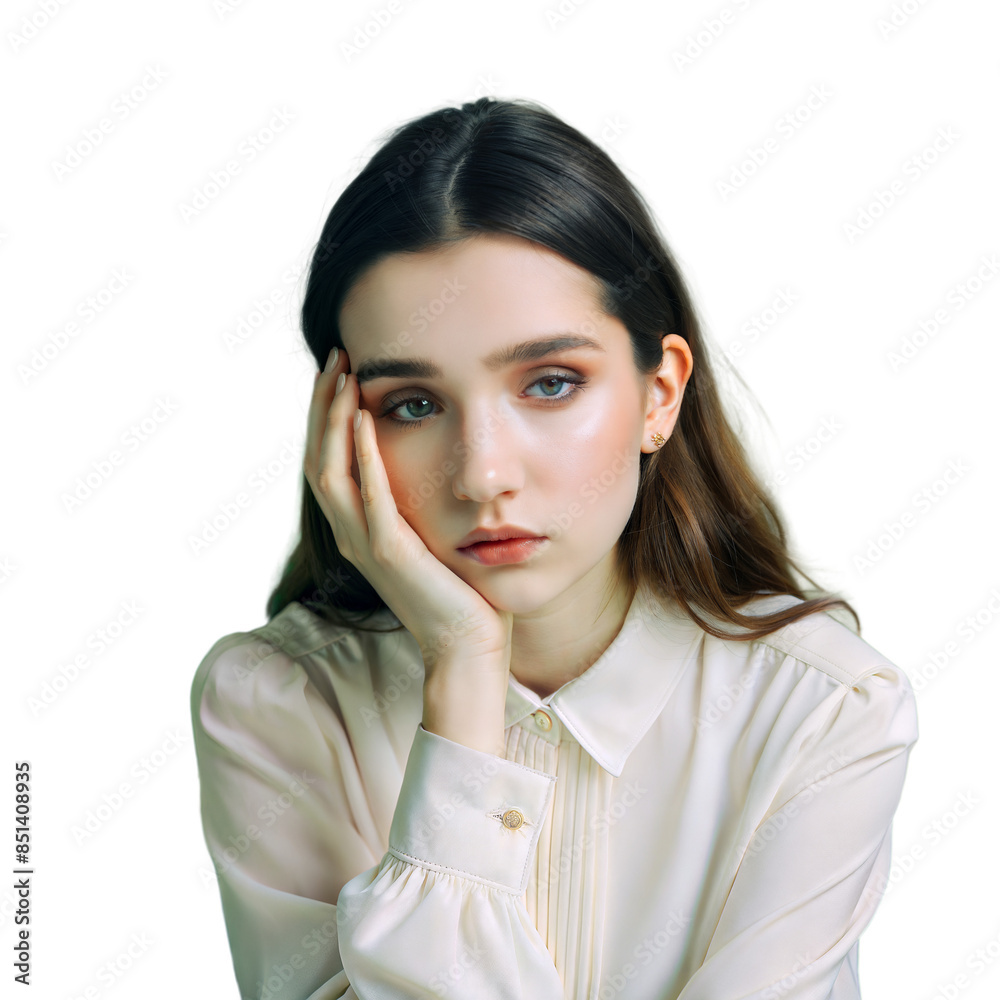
[[658, 439]]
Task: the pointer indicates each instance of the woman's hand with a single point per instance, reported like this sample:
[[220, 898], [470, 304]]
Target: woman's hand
[[449, 619]]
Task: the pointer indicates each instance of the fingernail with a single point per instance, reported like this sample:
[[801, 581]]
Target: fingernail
[[341, 379], [331, 361], [357, 419]]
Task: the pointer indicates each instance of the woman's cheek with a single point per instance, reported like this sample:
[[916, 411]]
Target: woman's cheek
[[398, 482], [384, 455]]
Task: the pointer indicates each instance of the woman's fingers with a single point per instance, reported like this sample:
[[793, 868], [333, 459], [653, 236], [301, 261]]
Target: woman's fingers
[[380, 510], [319, 411], [329, 452], [335, 479]]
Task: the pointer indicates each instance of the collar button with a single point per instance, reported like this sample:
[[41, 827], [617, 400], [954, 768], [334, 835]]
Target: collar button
[[543, 720]]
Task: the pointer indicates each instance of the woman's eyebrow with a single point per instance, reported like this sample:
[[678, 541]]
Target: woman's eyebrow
[[527, 350]]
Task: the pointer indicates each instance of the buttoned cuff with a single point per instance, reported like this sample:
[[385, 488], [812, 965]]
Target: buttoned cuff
[[469, 813]]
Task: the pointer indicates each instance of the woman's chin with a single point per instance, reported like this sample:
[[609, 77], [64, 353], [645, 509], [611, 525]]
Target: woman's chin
[[506, 588], [510, 595]]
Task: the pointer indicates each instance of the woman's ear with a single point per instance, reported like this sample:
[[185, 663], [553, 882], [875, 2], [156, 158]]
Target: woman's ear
[[664, 391]]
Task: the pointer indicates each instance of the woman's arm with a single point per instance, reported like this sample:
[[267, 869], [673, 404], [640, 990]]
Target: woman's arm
[[443, 914], [317, 902], [816, 866]]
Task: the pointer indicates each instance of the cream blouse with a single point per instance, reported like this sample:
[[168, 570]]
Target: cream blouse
[[689, 819]]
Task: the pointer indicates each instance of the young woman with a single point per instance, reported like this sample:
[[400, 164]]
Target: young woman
[[542, 709]]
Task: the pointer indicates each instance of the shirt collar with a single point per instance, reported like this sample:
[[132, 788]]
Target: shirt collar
[[612, 704]]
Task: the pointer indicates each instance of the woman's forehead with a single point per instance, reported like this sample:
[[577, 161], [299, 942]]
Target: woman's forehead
[[510, 285]]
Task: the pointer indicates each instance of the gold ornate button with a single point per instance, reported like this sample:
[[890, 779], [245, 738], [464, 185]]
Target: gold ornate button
[[512, 819], [543, 721]]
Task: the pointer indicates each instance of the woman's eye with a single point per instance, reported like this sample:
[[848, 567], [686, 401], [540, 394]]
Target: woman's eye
[[413, 404], [547, 382], [412, 412]]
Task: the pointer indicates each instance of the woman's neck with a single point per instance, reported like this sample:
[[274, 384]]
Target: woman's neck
[[558, 643]]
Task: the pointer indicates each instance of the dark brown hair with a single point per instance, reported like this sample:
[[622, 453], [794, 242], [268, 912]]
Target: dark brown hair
[[704, 530]]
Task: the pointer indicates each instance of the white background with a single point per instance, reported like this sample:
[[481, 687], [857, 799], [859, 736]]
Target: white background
[[872, 436]]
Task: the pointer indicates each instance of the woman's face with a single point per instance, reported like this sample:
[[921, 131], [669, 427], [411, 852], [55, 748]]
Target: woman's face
[[475, 435]]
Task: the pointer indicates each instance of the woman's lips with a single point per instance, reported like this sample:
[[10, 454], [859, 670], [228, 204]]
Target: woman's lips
[[510, 550]]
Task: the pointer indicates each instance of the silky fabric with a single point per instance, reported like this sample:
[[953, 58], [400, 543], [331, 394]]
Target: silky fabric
[[690, 818]]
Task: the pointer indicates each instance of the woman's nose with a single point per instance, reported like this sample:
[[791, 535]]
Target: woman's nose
[[488, 460]]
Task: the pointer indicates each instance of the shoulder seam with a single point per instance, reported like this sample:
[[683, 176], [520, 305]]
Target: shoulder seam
[[798, 644], [319, 633]]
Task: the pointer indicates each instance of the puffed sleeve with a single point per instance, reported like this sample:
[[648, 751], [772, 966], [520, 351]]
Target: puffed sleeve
[[317, 906], [443, 914], [817, 863]]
